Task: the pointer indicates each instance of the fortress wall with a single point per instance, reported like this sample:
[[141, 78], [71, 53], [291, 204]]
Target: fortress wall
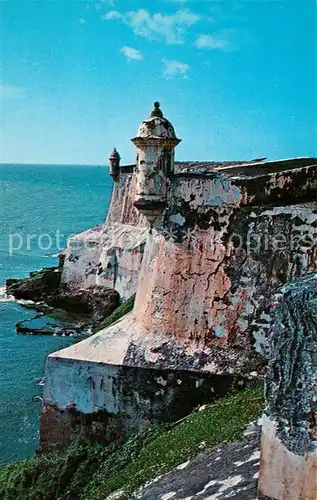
[[211, 266], [111, 254], [121, 208], [81, 259], [207, 277], [283, 246], [101, 398]]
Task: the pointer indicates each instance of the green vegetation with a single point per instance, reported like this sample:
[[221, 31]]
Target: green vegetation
[[123, 309], [91, 472]]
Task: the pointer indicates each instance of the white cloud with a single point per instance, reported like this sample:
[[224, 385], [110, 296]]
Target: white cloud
[[111, 15], [131, 53], [11, 92], [218, 41], [172, 69], [169, 28]]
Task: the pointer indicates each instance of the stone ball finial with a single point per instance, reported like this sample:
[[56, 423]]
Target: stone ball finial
[[157, 111], [156, 126]]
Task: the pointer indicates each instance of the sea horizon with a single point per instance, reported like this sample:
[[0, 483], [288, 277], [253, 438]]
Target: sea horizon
[[10, 164], [36, 200]]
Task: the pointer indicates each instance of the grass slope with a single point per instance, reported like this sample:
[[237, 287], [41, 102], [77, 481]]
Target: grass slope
[[91, 472]]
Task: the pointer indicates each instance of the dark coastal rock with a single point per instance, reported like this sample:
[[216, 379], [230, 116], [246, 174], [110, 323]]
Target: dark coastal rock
[[44, 289], [43, 325], [37, 286], [97, 301]]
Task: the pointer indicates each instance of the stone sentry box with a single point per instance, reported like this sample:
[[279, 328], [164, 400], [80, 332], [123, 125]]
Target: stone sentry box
[[208, 273], [155, 143]]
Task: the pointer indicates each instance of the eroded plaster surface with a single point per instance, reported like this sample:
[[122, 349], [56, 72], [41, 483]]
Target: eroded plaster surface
[[109, 255], [212, 265], [289, 435]]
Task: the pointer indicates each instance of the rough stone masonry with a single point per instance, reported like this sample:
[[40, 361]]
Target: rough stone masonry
[[289, 434], [205, 246]]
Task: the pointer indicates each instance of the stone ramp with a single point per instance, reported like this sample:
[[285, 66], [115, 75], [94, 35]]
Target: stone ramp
[[226, 471]]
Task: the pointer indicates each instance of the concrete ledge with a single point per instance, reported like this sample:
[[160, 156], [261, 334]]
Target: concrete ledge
[[127, 343]]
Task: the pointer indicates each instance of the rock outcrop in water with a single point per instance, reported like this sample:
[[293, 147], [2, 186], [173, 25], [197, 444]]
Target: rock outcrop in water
[[44, 325], [37, 287], [45, 291]]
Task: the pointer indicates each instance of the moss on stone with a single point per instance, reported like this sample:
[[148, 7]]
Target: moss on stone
[[91, 472]]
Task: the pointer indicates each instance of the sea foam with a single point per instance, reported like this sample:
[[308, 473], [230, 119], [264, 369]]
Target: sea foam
[[4, 297]]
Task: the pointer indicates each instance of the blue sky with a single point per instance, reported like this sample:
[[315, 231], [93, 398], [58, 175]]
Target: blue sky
[[236, 78]]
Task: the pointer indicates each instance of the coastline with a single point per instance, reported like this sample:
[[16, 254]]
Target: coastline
[[36, 201]]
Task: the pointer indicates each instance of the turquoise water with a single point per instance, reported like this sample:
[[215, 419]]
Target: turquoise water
[[40, 207]]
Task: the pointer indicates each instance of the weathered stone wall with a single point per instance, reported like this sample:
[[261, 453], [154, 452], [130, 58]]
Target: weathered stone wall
[[105, 399], [223, 248], [289, 434], [121, 208], [110, 254], [229, 238]]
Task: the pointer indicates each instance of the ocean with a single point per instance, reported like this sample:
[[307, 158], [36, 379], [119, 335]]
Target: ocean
[[40, 206]]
